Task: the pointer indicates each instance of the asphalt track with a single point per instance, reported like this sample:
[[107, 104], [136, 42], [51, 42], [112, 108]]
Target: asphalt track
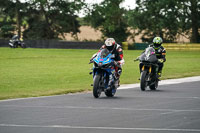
[[173, 108]]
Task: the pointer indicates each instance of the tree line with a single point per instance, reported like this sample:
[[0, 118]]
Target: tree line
[[51, 19]]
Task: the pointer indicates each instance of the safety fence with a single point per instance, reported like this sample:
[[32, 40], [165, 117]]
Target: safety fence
[[96, 45], [186, 46], [168, 46], [56, 44]]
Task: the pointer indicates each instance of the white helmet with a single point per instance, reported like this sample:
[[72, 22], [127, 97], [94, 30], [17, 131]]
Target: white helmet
[[110, 42]]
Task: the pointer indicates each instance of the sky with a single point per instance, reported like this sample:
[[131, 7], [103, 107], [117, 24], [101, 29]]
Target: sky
[[128, 4]]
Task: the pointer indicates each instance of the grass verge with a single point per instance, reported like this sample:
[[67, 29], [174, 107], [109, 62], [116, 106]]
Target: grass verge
[[38, 72]]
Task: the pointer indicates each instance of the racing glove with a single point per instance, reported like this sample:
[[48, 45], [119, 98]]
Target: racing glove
[[160, 60], [94, 55]]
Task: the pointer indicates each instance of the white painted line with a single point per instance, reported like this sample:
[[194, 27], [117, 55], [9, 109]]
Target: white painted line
[[100, 108], [28, 98], [126, 86], [165, 82], [100, 128]]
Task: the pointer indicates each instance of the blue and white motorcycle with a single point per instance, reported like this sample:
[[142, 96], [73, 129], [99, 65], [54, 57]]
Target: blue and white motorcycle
[[104, 79]]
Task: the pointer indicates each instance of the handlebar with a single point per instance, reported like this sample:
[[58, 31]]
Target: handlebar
[[117, 64], [91, 61], [136, 60]]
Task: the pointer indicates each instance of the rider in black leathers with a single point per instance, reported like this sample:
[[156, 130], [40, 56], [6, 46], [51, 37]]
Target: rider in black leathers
[[160, 53]]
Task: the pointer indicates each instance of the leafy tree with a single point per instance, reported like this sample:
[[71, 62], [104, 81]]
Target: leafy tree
[[108, 17], [155, 18], [7, 23], [190, 19], [50, 18], [12, 13], [165, 18], [42, 19]]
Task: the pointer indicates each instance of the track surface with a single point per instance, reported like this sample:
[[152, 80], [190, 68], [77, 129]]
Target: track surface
[[173, 108]]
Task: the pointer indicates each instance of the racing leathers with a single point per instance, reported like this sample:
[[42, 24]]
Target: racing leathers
[[118, 52], [119, 60], [160, 54]]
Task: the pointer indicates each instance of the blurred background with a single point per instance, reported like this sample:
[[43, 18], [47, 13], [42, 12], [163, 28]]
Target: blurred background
[[94, 20]]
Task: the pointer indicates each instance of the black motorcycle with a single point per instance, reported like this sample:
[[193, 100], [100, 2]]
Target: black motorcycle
[[15, 42], [148, 69]]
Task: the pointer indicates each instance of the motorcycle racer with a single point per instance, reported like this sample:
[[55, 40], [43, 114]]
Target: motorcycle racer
[[115, 49], [160, 53]]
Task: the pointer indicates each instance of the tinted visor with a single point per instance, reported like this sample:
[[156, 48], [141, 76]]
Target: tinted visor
[[110, 47], [157, 45]]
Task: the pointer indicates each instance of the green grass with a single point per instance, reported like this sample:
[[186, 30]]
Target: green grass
[[38, 72]]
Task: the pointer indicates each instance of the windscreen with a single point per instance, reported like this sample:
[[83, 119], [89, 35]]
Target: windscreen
[[104, 53], [149, 51]]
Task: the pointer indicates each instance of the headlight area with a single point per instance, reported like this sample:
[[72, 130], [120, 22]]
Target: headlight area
[[101, 65], [106, 65], [95, 64]]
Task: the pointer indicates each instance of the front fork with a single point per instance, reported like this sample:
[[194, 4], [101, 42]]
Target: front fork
[[148, 69], [107, 75], [151, 70], [111, 77]]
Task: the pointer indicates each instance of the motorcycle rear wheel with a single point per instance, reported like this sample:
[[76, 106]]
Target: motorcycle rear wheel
[[96, 86], [143, 82], [154, 86], [110, 93]]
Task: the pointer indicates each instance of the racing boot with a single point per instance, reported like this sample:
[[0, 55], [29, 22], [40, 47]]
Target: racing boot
[[117, 83], [117, 76], [159, 75]]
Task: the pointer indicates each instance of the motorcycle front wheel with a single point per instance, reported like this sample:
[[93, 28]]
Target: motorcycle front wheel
[[96, 86], [23, 46], [143, 82]]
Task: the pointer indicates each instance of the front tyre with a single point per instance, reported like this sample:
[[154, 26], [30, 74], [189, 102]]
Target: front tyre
[[143, 82], [96, 86], [23, 45]]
